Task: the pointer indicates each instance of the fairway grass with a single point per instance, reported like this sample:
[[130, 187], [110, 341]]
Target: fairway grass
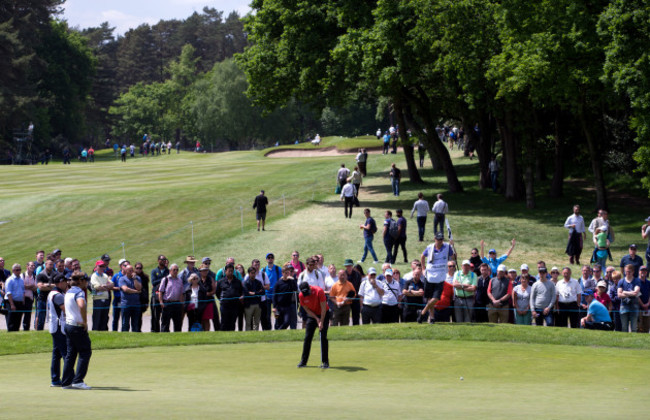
[[368, 379]]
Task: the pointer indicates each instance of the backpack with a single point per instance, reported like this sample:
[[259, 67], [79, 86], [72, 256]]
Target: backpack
[[393, 229], [373, 227]]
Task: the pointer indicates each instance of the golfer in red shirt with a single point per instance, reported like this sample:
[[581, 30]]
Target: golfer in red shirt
[[313, 301]]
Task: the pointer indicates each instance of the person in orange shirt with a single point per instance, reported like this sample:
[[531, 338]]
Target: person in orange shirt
[[341, 295]]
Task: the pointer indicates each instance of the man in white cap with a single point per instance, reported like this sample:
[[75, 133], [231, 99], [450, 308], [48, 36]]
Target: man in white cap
[[464, 289], [435, 258], [371, 292], [499, 292], [524, 270], [391, 298]]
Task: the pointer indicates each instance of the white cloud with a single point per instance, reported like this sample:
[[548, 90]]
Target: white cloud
[[123, 21], [127, 14]]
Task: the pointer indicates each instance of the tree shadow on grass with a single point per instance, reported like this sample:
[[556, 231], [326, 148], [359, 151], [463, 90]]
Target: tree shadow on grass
[[118, 388]]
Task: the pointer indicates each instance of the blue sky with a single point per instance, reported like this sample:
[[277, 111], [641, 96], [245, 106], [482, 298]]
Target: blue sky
[[127, 14]]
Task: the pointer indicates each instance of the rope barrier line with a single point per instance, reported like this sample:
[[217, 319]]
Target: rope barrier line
[[351, 299]]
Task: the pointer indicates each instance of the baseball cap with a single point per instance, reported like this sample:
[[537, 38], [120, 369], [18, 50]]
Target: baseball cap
[[524, 267], [492, 251], [121, 261], [56, 251], [304, 288], [512, 270], [502, 267], [647, 219], [99, 262], [466, 262], [632, 246], [388, 272], [588, 292], [58, 278], [372, 270], [602, 283], [105, 257], [206, 260], [440, 235], [348, 262], [270, 255]]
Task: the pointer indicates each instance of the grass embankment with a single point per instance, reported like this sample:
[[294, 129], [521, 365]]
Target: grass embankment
[[41, 342]]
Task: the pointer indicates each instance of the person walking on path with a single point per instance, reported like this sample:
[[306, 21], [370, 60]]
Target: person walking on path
[[369, 229], [439, 209], [395, 177], [401, 237], [422, 207], [355, 179], [577, 234], [260, 204], [342, 175], [347, 196]]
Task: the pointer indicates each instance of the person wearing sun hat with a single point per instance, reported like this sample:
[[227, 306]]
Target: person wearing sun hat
[[190, 269]]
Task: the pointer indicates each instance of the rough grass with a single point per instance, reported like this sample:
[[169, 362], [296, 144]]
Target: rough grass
[[40, 342]]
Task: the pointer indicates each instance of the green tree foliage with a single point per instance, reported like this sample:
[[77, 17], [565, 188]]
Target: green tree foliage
[[67, 80], [22, 26], [625, 25]]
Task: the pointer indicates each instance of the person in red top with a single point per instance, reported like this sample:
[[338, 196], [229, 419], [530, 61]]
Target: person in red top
[[442, 310], [313, 301]]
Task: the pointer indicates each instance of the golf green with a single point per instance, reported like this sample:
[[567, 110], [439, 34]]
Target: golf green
[[380, 379]]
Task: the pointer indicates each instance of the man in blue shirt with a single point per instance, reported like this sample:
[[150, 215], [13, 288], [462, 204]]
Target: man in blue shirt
[[491, 260], [597, 315], [369, 229], [15, 295], [130, 287], [273, 274]]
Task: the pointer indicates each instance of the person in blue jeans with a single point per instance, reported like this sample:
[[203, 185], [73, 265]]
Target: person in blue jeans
[[369, 229]]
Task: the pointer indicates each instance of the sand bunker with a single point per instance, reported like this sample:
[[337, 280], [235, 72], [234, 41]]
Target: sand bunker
[[318, 151]]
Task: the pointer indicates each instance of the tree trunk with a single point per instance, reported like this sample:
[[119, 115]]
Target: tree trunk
[[557, 183], [483, 143], [530, 190], [596, 163], [433, 143], [513, 184], [407, 145]]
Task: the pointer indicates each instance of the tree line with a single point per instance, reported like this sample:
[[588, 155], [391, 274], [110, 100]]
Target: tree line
[[173, 80], [552, 85]]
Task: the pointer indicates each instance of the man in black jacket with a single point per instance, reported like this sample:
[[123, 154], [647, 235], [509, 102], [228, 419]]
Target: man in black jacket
[[260, 204]]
